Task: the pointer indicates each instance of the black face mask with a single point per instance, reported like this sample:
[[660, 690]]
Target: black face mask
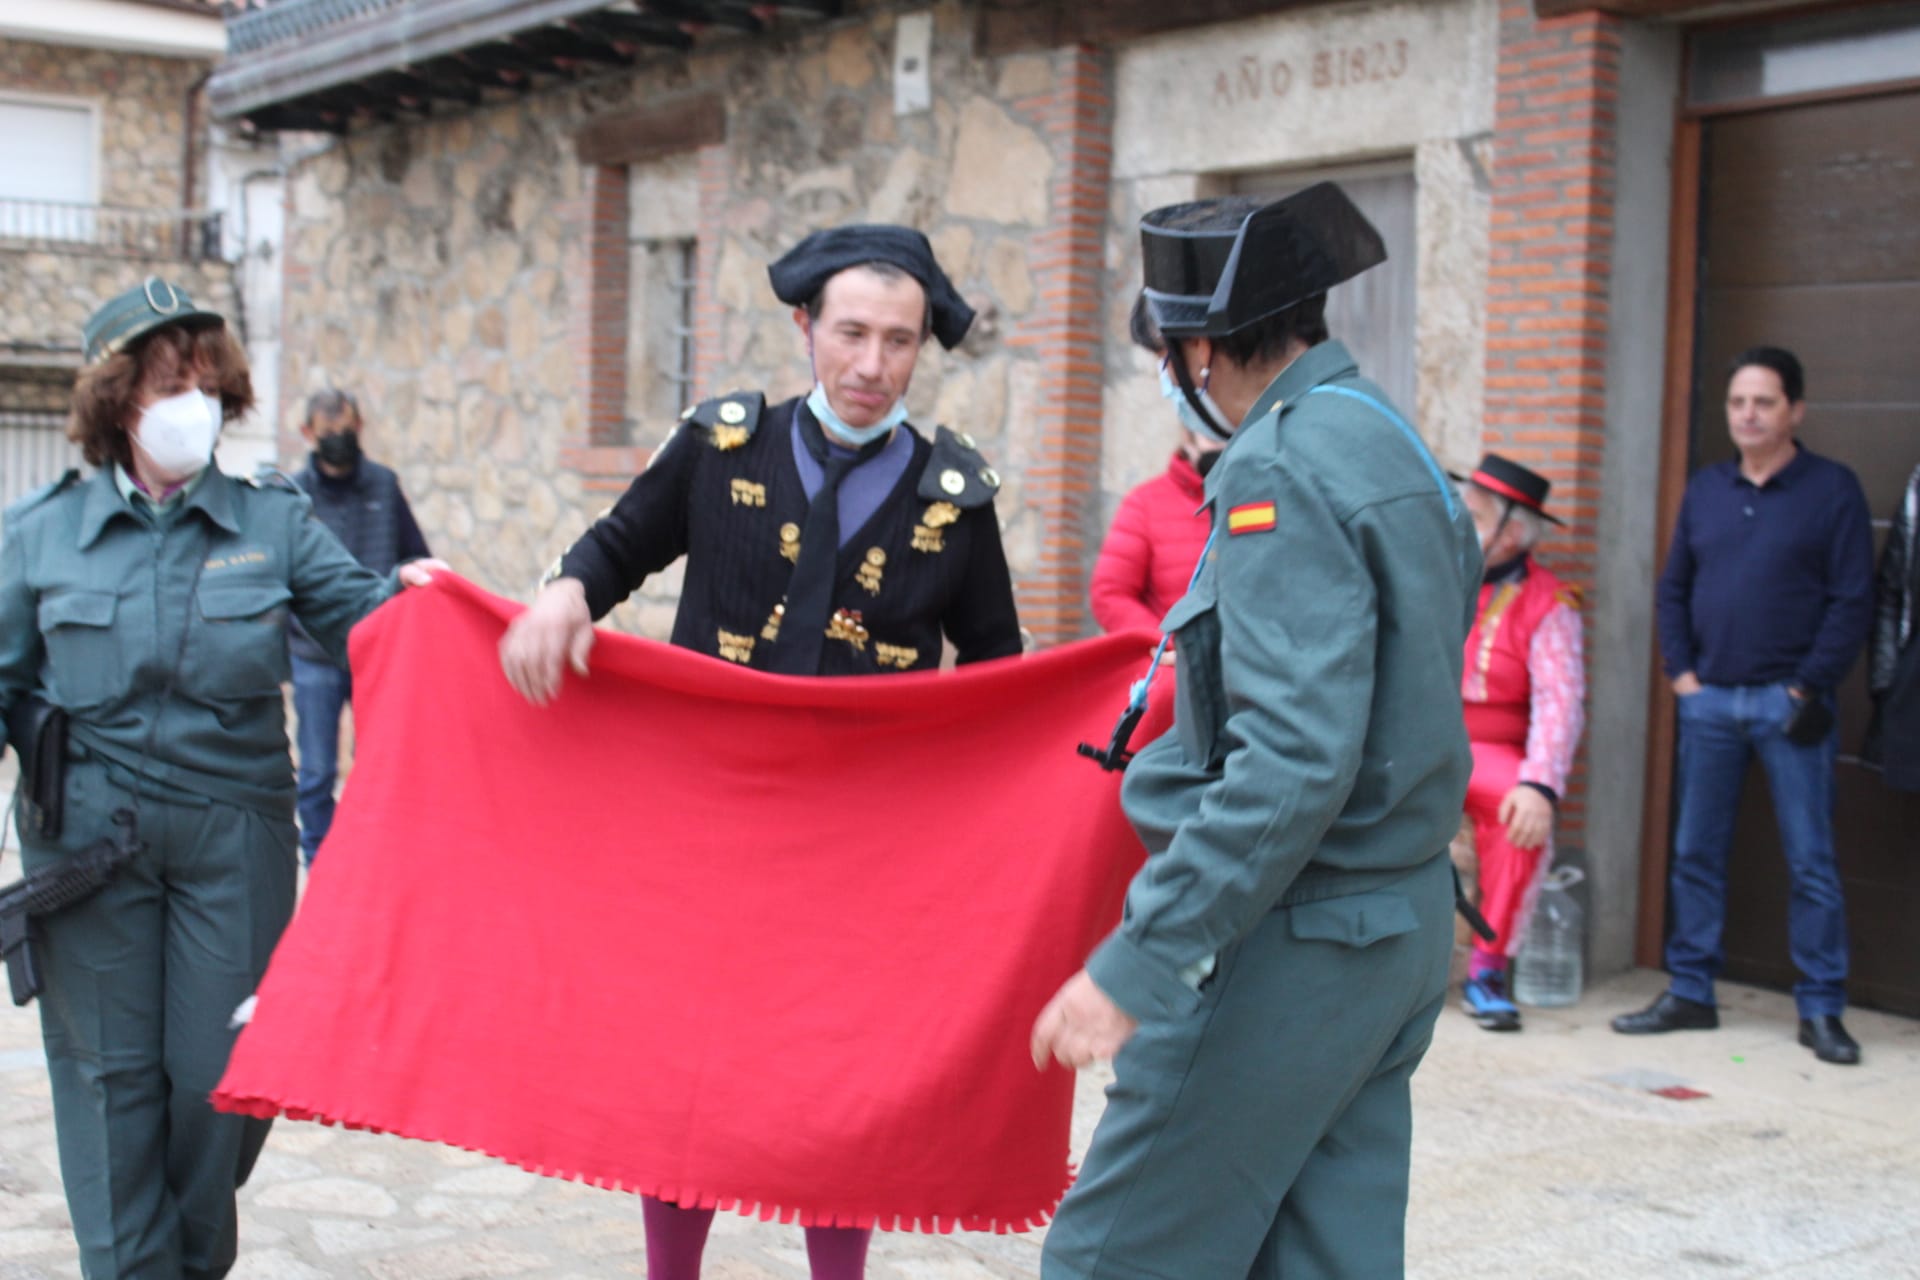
[[341, 449]]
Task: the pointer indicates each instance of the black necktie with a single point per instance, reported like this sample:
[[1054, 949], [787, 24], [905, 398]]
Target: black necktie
[[803, 627]]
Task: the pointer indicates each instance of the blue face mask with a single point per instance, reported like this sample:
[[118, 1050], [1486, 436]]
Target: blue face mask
[[1190, 418], [839, 432]]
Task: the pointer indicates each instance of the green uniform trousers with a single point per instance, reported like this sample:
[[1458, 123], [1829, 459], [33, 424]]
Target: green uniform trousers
[[1266, 1134], [141, 981]]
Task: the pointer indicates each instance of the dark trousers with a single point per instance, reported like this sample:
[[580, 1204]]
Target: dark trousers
[[142, 979], [1722, 728], [321, 691]]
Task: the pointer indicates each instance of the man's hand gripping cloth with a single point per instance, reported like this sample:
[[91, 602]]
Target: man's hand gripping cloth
[[721, 937]]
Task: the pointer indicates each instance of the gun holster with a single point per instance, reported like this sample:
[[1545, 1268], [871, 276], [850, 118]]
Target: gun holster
[[38, 731], [19, 949]]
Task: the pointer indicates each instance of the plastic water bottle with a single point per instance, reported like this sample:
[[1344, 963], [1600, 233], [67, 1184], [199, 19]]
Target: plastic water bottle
[[1548, 972]]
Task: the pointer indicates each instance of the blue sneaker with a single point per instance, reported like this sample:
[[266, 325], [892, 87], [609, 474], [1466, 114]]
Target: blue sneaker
[[1484, 997]]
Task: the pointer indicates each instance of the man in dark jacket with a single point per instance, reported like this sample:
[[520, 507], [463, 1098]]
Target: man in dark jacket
[[1764, 605], [361, 502]]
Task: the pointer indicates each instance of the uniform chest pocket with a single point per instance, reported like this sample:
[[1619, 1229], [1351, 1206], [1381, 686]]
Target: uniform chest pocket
[[238, 648], [1200, 694], [85, 664]]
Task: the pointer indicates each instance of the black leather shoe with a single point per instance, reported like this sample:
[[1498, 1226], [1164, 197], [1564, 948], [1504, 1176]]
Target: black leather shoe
[[1829, 1040], [1669, 1013]]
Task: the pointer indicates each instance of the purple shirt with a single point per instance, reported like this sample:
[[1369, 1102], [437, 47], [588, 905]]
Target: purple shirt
[[866, 486]]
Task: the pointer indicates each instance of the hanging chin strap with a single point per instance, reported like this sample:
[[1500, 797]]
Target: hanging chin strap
[[1506, 518], [1187, 389]]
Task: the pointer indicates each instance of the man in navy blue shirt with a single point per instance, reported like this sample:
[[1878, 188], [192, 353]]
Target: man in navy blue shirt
[[1766, 601]]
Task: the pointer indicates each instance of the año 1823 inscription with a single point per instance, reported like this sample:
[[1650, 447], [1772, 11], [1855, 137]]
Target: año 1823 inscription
[[1255, 79]]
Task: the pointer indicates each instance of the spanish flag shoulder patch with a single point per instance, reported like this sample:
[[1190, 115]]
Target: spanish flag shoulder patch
[[1250, 517]]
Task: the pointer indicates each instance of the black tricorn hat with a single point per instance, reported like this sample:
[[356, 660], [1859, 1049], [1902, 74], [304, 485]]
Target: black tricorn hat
[[1214, 267], [804, 270], [1519, 485]]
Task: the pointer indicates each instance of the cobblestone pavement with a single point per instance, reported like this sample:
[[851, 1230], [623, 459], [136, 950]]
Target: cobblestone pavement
[[1542, 1154]]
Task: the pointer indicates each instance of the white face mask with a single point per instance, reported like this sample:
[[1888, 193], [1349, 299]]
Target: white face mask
[[177, 434], [837, 428], [1191, 418]]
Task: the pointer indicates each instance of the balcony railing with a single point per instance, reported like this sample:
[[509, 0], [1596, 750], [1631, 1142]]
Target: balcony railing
[[182, 234], [255, 24], [331, 64]]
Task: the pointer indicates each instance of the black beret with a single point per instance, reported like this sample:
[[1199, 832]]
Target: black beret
[[804, 270]]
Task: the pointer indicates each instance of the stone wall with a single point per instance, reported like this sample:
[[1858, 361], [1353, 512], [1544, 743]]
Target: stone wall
[[142, 111], [52, 286], [440, 269], [1314, 90], [446, 268], [50, 294]]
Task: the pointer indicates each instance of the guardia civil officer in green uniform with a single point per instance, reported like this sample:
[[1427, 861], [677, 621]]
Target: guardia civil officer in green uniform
[[149, 601], [1284, 950]]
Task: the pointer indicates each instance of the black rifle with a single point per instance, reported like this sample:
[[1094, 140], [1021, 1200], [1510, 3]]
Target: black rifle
[[53, 889]]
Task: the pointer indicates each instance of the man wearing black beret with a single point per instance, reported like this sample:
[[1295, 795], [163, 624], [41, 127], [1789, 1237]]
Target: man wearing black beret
[[1283, 954], [824, 536]]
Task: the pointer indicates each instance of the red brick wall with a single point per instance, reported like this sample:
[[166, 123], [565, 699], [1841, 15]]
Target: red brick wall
[[715, 179], [606, 456], [1068, 257], [603, 345], [1554, 133]]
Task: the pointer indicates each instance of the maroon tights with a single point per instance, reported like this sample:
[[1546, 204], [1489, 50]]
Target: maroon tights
[[676, 1237]]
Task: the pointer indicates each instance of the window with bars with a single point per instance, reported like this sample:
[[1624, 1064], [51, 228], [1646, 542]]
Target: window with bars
[[662, 261], [660, 373]]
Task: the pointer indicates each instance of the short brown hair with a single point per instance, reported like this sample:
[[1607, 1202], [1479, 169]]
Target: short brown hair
[[105, 395]]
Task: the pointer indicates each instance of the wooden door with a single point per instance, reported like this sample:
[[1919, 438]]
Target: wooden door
[[1810, 234]]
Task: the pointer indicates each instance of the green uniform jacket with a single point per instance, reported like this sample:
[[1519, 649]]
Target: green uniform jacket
[[1318, 742], [94, 603]]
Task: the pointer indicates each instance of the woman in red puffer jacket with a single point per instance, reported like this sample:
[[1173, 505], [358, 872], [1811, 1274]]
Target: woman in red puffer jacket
[[1156, 539], [1159, 532]]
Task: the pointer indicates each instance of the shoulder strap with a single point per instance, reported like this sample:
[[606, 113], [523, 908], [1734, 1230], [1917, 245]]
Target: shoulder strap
[[45, 492], [268, 476], [728, 421], [1406, 428], [956, 473]]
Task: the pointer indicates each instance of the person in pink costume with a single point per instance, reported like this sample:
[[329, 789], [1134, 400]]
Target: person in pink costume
[[1524, 687]]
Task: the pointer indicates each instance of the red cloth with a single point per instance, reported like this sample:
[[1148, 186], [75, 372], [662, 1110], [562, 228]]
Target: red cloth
[[1147, 559], [727, 938]]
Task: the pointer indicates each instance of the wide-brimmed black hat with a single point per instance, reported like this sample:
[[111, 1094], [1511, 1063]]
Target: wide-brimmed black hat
[[138, 311], [1216, 266], [804, 270], [1519, 485]]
